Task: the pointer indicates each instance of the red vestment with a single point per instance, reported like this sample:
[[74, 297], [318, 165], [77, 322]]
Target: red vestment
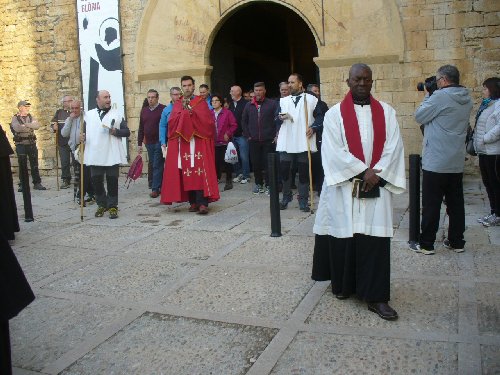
[[190, 165]]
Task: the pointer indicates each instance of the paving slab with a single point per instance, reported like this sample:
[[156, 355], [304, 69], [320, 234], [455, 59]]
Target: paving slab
[[490, 358], [274, 251], [422, 305], [488, 306], [318, 354], [486, 261], [121, 277], [181, 244], [49, 327], [176, 345], [271, 293]]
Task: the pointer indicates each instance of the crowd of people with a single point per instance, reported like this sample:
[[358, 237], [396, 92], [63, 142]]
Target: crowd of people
[[352, 154]]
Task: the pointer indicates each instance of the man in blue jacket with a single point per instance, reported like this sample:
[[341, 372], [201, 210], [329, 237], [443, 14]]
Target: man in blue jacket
[[445, 116], [175, 94]]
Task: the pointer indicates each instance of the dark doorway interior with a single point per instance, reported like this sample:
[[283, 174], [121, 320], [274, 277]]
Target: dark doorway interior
[[262, 42]]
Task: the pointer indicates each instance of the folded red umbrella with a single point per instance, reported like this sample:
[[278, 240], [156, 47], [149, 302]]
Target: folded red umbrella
[[135, 170]]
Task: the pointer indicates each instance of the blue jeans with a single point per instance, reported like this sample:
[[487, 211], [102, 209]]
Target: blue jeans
[[156, 158], [243, 165]]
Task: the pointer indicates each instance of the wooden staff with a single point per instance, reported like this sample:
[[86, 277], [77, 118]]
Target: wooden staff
[[308, 153], [81, 150]]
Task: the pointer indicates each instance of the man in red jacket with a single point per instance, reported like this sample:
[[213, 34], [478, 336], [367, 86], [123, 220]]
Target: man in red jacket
[[190, 162]]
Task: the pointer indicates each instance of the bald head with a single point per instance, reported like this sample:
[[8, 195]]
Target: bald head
[[103, 99], [235, 92]]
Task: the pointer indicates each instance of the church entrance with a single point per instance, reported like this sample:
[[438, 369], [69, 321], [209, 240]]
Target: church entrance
[[262, 42]]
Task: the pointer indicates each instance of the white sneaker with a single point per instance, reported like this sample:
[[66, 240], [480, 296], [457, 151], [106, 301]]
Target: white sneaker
[[245, 180], [446, 244], [494, 220], [238, 178], [484, 218]]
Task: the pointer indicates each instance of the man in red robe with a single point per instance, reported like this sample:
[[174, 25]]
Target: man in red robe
[[190, 162]]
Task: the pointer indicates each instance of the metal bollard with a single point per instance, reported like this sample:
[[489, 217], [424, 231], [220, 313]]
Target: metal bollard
[[414, 192], [274, 195], [25, 183]]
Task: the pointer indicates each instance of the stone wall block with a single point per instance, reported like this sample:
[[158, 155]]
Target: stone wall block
[[486, 6], [458, 20], [418, 23]]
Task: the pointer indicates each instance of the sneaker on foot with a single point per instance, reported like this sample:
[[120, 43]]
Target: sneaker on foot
[[266, 191], [446, 244], [238, 178], [100, 211], [65, 184], [287, 198], [484, 218], [494, 220], [419, 249], [257, 189], [113, 213], [90, 199], [304, 207], [228, 185], [245, 180], [19, 189], [39, 186]]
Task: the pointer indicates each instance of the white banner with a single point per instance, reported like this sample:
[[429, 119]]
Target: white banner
[[100, 52]]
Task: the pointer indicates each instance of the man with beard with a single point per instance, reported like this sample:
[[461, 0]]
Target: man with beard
[[363, 160], [190, 161]]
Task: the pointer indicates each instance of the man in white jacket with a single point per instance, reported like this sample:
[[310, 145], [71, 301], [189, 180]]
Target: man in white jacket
[[104, 152], [363, 160]]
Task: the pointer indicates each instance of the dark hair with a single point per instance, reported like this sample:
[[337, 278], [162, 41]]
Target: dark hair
[[203, 86], [311, 85], [299, 76], [221, 99], [259, 84], [493, 86], [359, 66], [154, 91], [145, 103], [451, 73], [187, 78]]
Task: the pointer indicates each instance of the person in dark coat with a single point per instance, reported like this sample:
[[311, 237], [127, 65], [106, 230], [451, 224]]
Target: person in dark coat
[[15, 295], [8, 210]]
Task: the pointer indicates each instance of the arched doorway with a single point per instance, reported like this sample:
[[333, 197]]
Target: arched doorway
[[262, 42]]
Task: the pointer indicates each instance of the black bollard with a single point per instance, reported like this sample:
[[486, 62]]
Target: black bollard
[[414, 190], [25, 184], [274, 195]]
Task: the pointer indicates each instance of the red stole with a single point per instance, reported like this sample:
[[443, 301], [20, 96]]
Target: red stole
[[351, 128], [196, 172]]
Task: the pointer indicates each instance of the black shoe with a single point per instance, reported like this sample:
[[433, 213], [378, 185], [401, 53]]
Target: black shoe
[[285, 200], [383, 310], [66, 184], [39, 186], [341, 296], [304, 207], [228, 185]]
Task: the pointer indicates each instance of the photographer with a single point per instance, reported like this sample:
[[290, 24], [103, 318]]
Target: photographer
[[445, 116]]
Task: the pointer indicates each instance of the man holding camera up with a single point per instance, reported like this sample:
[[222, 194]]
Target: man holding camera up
[[445, 116]]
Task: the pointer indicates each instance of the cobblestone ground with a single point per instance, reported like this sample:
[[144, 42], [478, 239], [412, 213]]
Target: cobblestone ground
[[164, 291]]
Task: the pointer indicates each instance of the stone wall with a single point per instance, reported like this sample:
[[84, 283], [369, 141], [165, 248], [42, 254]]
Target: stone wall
[[39, 57]]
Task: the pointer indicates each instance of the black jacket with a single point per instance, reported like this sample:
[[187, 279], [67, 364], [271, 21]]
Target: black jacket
[[258, 120], [238, 113]]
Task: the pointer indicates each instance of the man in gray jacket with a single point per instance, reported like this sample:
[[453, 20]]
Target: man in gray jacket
[[445, 116]]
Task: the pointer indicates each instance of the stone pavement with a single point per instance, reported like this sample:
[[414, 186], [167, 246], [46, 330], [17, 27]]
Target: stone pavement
[[164, 291]]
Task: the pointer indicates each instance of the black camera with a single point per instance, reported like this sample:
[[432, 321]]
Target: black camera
[[430, 85]]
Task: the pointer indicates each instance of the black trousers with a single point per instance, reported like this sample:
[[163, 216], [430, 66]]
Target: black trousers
[[87, 182], [221, 165], [5, 355], [110, 199], [358, 265], [258, 157], [197, 197], [435, 186], [66, 156], [29, 152], [489, 166]]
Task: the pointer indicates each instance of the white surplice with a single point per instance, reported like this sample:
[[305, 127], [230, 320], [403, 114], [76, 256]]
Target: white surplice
[[339, 214]]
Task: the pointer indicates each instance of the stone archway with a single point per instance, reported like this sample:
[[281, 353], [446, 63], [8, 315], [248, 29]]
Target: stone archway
[[262, 41]]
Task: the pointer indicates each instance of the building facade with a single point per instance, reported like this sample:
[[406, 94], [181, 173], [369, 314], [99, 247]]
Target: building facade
[[221, 42]]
